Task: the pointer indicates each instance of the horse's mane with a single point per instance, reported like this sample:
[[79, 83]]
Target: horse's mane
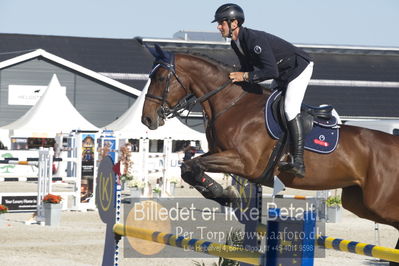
[[254, 87], [211, 60]]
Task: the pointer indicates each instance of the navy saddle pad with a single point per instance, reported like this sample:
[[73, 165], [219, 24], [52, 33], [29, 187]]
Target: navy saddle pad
[[323, 138]]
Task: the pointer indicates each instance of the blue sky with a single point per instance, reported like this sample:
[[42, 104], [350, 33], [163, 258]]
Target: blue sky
[[343, 22]]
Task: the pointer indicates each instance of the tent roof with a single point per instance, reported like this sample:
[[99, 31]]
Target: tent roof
[[53, 113], [92, 74], [129, 124]]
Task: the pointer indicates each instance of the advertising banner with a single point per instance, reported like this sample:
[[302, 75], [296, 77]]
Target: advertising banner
[[88, 148]]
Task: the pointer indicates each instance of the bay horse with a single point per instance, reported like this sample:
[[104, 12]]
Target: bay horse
[[364, 163]]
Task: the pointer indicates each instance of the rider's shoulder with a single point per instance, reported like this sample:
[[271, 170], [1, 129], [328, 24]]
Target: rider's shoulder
[[251, 32], [252, 35], [256, 38]]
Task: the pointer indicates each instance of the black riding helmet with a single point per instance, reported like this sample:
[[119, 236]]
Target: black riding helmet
[[229, 12]]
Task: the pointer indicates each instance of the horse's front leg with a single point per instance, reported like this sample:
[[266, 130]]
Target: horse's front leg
[[193, 172]]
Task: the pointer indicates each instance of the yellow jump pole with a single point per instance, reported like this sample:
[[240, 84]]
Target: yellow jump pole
[[384, 253], [389, 254], [215, 249]]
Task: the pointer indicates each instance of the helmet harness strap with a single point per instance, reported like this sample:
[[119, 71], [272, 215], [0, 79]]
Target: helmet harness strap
[[229, 21]]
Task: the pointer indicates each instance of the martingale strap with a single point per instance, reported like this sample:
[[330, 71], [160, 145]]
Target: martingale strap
[[211, 93], [186, 104]]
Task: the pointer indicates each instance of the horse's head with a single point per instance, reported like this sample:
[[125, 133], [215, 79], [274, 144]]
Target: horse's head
[[166, 90]]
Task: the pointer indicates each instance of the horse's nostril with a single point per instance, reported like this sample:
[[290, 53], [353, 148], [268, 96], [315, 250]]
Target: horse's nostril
[[146, 121]]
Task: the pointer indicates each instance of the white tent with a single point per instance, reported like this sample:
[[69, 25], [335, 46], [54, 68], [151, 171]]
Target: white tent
[[129, 125], [53, 113]]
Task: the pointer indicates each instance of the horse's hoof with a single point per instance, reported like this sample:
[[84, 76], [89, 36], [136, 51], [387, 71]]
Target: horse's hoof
[[233, 196]]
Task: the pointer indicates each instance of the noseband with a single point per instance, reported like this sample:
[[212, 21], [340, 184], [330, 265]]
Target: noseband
[[187, 102]]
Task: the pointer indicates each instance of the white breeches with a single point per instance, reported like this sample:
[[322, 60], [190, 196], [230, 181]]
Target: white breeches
[[296, 91]]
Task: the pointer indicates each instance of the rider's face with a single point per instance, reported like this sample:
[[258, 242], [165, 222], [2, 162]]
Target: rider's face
[[223, 27]]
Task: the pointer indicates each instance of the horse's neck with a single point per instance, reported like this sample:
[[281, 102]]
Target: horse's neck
[[206, 78], [220, 101]]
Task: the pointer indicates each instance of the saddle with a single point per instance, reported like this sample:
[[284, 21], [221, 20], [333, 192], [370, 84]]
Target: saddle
[[311, 115], [321, 130]]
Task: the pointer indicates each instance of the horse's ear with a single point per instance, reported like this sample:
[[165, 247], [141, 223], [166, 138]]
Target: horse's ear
[[151, 50], [157, 52], [160, 55]]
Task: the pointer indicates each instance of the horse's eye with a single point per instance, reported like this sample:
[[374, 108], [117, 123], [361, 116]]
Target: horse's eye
[[160, 79]]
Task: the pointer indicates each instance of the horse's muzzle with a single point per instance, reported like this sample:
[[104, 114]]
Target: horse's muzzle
[[147, 121], [152, 123]]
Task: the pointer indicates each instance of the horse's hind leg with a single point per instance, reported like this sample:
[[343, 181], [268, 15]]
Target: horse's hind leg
[[352, 200]]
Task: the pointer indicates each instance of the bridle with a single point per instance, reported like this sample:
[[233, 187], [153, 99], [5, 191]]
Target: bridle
[[187, 102], [165, 111]]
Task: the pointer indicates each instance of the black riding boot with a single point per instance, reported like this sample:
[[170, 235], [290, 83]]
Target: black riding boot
[[295, 128]]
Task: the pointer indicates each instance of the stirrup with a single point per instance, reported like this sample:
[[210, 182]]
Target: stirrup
[[292, 168]]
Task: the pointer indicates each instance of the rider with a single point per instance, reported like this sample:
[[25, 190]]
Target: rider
[[264, 56]]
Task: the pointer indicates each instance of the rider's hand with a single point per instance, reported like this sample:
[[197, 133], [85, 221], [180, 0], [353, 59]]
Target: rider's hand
[[238, 76]]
